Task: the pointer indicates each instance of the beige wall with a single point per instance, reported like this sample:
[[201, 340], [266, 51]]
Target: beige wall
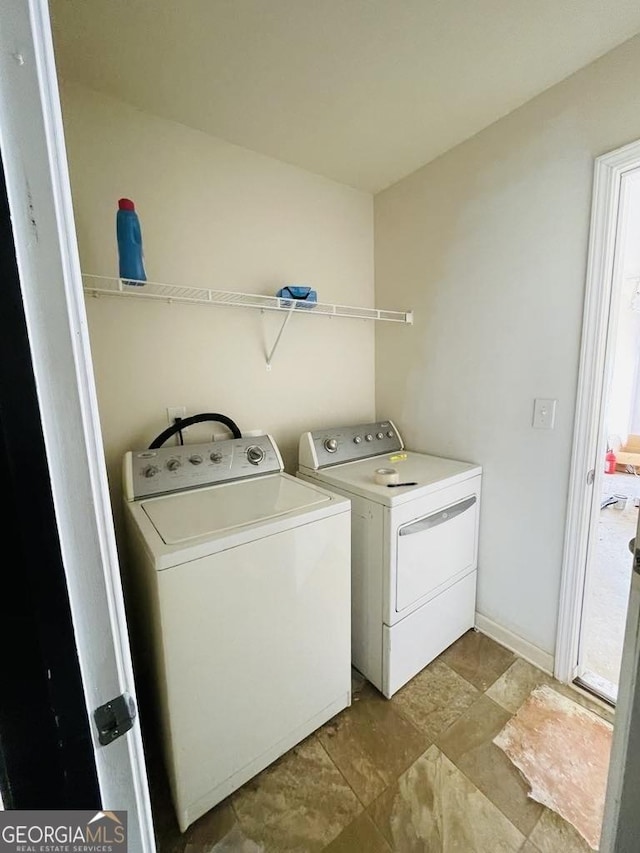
[[215, 215], [488, 245]]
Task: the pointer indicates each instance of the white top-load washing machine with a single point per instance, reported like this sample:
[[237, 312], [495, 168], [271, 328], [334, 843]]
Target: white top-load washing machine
[[241, 583], [414, 545]]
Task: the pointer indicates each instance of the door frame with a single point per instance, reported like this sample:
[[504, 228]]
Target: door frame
[[46, 750], [595, 365], [39, 196]]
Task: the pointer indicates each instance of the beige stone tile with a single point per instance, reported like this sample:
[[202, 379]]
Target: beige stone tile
[[478, 659], [202, 835], [300, 803], [213, 828], [515, 685], [218, 825], [468, 743], [552, 834], [235, 841], [434, 808], [359, 837], [435, 698], [529, 848], [372, 743]]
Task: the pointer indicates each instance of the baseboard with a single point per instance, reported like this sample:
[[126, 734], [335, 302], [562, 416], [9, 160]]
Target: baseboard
[[543, 660]]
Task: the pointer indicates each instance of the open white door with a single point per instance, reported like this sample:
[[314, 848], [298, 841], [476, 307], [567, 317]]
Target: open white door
[[34, 157], [621, 829], [611, 174]]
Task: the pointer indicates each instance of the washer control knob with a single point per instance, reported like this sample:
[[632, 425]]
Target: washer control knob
[[196, 459], [357, 439], [173, 464], [369, 437], [330, 445], [151, 471], [390, 433], [216, 456], [255, 454], [379, 435]]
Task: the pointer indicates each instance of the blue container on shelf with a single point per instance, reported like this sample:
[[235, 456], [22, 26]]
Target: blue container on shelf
[[129, 236], [306, 296]]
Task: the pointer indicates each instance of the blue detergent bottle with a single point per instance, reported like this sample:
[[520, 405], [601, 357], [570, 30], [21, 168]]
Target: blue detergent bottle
[[129, 236]]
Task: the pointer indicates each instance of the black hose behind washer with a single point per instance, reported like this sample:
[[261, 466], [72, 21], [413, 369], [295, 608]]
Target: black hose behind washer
[[182, 423]]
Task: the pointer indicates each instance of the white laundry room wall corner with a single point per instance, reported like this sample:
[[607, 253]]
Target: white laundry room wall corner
[[219, 216]]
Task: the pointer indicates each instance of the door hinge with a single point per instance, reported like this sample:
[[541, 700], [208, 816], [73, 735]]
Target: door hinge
[[636, 556], [591, 475], [115, 718]]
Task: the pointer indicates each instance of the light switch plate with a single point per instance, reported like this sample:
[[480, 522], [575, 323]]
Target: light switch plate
[[544, 413]]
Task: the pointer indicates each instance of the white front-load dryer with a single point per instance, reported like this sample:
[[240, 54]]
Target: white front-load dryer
[[414, 559], [241, 586]]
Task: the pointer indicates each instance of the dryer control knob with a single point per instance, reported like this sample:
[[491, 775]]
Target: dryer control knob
[[330, 445], [357, 439], [390, 433], [369, 437], [196, 459], [379, 435], [173, 464], [255, 454], [216, 457], [151, 471]]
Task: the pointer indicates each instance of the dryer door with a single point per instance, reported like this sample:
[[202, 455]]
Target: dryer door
[[435, 549]]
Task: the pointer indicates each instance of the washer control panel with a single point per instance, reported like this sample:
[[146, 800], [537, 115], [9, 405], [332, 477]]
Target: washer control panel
[[320, 448], [173, 469]]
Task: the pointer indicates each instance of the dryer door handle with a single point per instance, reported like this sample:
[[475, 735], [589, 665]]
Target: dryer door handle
[[438, 517]]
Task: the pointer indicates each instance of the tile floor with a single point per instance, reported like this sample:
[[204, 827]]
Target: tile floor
[[415, 773]]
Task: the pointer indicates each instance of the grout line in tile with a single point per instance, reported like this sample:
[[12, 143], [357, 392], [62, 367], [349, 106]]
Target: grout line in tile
[[455, 764], [398, 711], [372, 819], [466, 710], [233, 809], [498, 678], [460, 770], [455, 672], [533, 828], [475, 686], [366, 814], [451, 669], [349, 785]]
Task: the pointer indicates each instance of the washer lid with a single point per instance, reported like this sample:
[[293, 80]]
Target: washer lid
[[206, 512], [426, 473]]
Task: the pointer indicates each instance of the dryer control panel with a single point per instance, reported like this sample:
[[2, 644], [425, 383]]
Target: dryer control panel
[[335, 445], [190, 466]]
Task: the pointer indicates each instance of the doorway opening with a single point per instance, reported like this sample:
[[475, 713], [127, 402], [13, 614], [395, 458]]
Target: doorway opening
[[604, 492], [617, 479]]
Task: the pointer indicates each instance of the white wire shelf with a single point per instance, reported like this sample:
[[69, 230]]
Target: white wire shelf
[[98, 285]]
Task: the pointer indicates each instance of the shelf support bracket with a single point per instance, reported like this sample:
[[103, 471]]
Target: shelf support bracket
[[277, 340]]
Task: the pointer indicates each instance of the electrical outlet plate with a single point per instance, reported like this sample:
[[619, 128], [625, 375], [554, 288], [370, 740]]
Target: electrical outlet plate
[[544, 413], [174, 412], [220, 434]]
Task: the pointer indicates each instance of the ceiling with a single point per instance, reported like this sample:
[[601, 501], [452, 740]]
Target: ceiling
[[362, 91]]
